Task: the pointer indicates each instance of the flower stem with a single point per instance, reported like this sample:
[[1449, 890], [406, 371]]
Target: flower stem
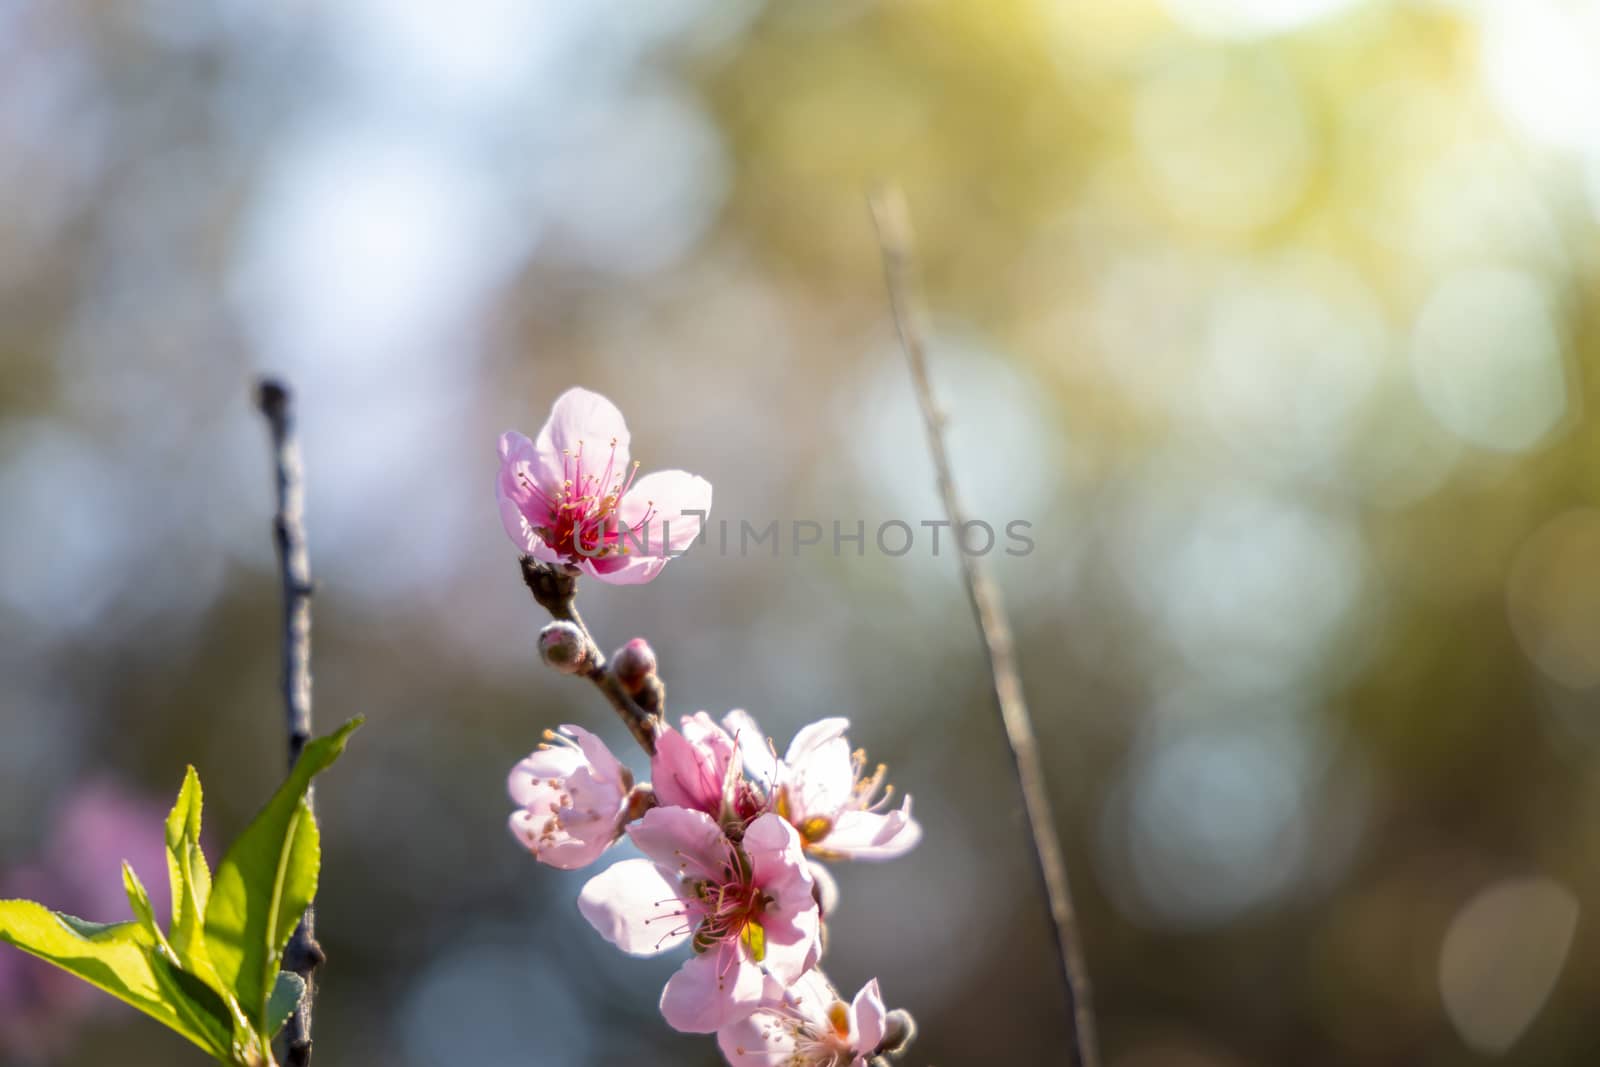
[[890, 216], [556, 589]]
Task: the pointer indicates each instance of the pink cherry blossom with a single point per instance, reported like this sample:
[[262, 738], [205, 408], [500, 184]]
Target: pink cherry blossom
[[572, 794], [572, 496], [821, 788], [746, 907], [807, 1025], [701, 768]]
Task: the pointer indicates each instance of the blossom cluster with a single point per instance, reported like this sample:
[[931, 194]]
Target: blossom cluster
[[732, 836]]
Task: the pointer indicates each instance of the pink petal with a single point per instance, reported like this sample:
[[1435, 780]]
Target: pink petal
[[683, 775], [867, 1015], [778, 863], [810, 737], [635, 907], [754, 745], [542, 767], [870, 835], [583, 417], [794, 943], [518, 455], [822, 781], [606, 766], [667, 498], [711, 991], [625, 570], [703, 732], [566, 853], [760, 1039], [683, 840], [516, 524]]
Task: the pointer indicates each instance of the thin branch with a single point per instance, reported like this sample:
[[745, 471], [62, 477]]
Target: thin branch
[[556, 590], [894, 239], [303, 955]]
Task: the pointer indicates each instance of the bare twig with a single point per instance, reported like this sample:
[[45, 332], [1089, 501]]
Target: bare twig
[[894, 239], [556, 590], [303, 955]]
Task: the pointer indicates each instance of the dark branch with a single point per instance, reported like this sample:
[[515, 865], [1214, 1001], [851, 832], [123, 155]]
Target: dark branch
[[303, 955], [894, 239], [556, 590]]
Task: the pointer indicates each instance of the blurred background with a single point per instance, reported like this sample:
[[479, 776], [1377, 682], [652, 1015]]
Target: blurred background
[[1273, 317]]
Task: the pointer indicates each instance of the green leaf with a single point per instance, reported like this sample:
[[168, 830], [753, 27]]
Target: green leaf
[[266, 880], [142, 908], [186, 862], [191, 888], [120, 959], [191, 994], [286, 994]]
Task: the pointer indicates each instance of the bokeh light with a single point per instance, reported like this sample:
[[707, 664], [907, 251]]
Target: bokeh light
[[1270, 317]]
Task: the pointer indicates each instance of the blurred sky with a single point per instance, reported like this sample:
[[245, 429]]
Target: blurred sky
[[1272, 317]]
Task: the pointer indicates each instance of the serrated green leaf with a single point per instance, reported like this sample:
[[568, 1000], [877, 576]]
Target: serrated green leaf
[[286, 993], [191, 888], [192, 995], [265, 881], [139, 900], [121, 959], [186, 862]]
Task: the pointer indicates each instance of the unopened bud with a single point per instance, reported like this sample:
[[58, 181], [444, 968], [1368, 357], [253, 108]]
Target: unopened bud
[[633, 664], [563, 646], [899, 1030]]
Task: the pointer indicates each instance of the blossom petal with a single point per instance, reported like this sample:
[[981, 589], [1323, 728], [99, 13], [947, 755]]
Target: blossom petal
[[663, 501], [822, 782], [603, 764], [794, 943], [777, 860], [754, 746], [527, 482], [635, 907], [760, 1039], [810, 737], [867, 1017], [871, 835], [581, 418], [683, 774], [711, 991], [529, 782], [778, 866], [564, 851], [624, 570], [683, 840]]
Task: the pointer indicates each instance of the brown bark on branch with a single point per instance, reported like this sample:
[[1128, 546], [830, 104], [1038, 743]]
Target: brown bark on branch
[[303, 955], [894, 239]]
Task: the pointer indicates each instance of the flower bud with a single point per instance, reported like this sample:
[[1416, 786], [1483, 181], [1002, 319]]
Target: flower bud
[[563, 646], [899, 1030], [633, 664]]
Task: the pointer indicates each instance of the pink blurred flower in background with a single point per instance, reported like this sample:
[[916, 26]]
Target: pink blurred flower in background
[[748, 907], [820, 787], [807, 1025], [571, 495], [572, 794], [78, 871]]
